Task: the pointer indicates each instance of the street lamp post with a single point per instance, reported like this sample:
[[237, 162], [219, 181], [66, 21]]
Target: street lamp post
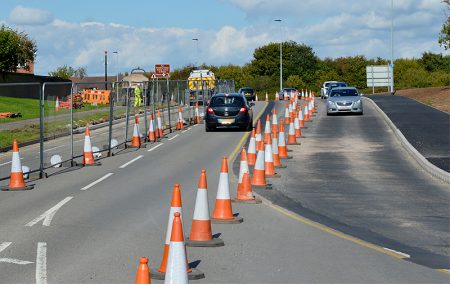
[[106, 70], [281, 58], [196, 40], [117, 74], [392, 47]]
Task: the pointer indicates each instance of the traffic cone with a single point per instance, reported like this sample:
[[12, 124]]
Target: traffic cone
[[251, 157], [176, 262], [223, 212], [282, 148], [277, 96], [310, 109], [286, 115], [143, 273], [258, 136], [300, 118], [88, 156], [180, 119], [151, 131], [291, 134], [290, 111], [303, 95], [274, 121], [57, 103], [245, 193], [175, 207], [269, 168], [16, 180], [159, 129], [298, 132], [256, 97], [136, 139], [201, 235], [197, 118], [267, 129], [276, 155], [259, 175], [305, 113]]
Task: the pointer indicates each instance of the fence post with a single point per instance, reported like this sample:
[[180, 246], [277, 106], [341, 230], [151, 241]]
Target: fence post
[[144, 91], [71, 124], [41, 131], [127, 116], [168, 104]]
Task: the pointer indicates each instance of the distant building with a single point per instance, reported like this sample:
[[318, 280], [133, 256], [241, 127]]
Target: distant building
[[24, 70]]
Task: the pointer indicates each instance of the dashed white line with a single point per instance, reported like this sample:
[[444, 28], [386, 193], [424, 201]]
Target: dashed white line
[[97, 181], [4, 245], [49, 214], [130, 162], [15, 261], [398, 252], [173, 137], [49, 149], [153, 148], [41, 264], [186, 130], [8, 163]]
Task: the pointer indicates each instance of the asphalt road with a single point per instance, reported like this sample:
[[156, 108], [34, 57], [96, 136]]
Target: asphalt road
[[100, 220], [426, 128], [351, 174]]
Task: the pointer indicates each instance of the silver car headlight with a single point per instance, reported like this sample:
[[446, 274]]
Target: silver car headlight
[[357, 103], [331, 103]]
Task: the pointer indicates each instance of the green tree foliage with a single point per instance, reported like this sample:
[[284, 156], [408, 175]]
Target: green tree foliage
[[16, 50], [444, 36], [66, 72]]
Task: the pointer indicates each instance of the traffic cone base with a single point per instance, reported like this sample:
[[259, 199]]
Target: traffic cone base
[[235, 220], [194, 274], [250, 201], [214, 242], [245, 193]]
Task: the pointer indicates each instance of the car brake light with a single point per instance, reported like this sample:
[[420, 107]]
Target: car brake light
[[243, 109], [210, 110]]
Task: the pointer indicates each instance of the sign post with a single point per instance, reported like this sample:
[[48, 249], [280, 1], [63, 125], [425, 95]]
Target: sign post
[[380, 76]]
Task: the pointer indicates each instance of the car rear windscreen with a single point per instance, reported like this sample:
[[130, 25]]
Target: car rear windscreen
[[227, 101], [344, 93]]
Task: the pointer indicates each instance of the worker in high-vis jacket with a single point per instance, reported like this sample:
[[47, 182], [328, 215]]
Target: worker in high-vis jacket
[[137, 97]]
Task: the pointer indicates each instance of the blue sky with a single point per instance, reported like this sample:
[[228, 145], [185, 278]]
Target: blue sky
[[144, 33]]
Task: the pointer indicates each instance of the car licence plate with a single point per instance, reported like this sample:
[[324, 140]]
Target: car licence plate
[[226, 121]]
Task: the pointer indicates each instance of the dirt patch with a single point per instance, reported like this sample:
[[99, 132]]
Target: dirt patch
[[435, 97]]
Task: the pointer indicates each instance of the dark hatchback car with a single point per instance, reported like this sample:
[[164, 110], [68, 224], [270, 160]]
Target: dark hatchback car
[[229, 111], [249, 93]]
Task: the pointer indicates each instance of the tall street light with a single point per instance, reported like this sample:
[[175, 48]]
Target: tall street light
[[392, 47], [196, 40], [117, 74], [106, 70], [281, 57]]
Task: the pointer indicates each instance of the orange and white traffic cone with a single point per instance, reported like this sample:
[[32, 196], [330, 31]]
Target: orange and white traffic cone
[[290, 111], [274, 121], [175, 207], [151, 131], [282, 148], [176, 261], [277, 96], [136, 139], [267, 97], [267, 129], [243, 168], [276, 155], [197, 118], [223, 212], [305, 114], [269, 168], [251, 157], [201, 235], [143, 273], [159, 129], [259, 175], [286, 115], [291, 134], [180, 119], [300, 118], [16, 179], [88, 156], [298, 131], [310, 109], [245, 192], [57, 103], [258, 136]]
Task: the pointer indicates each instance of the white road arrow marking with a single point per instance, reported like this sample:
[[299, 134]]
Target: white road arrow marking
[[3, 246], [41, 264], [49, 214]]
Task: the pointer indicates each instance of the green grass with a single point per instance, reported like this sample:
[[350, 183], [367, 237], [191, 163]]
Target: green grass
[[29, 108], [31, 132]]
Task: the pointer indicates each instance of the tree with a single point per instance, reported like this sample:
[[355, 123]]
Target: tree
[[16, 50], [66, 72], [444, 36], [294, 81]]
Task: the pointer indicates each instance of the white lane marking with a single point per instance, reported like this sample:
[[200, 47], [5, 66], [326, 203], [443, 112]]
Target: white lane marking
[[41, 264], [49, 214], [151, 149], [8, 163], [186, 130], [130, 162], [398, 252], [4, 245], [173, 137], [195, 125], [49, 149], [97, 181]]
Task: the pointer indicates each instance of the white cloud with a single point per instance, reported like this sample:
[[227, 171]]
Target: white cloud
[[29, 16]]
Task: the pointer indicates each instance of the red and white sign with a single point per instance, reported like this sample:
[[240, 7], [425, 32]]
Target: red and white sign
[[162, 70]]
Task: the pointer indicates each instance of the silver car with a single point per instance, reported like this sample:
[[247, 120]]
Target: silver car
[[344, 100]]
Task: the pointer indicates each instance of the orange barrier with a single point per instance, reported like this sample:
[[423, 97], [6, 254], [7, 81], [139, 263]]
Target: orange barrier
[[100, 97]]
